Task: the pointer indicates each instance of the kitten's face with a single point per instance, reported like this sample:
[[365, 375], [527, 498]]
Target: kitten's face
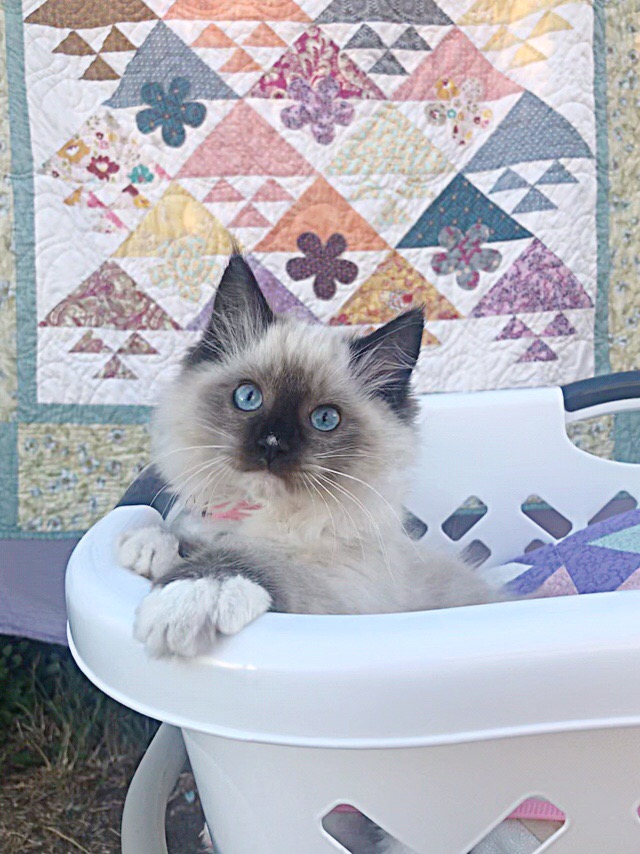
[[277, 407]]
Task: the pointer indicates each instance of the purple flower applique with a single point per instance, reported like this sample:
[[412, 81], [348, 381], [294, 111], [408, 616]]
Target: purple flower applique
[[323, 263], [465, 255], [318, 107]]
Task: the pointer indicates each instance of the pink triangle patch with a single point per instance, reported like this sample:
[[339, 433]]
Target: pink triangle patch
[[222, 191], [558, 584], [538, 352], [271, 191], [559, 327], [90, 343], [115, 369], [249, 217], [136, 345], [513, 330], [455, 60]]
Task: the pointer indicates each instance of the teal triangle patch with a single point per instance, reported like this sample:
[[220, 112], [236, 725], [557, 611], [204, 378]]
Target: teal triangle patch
[[531, 130], [557, 174], [462, 205], [627, 540], [534, 200], [162, 57], [509, 180]]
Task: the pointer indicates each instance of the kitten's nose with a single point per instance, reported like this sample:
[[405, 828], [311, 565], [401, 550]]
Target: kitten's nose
[[272, 446]]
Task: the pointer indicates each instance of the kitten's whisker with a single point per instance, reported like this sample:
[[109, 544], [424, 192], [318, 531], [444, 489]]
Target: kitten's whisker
[[345, 510], [333, 522], [368, 485]]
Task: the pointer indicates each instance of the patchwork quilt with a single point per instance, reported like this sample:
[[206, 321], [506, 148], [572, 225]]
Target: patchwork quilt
[[369, 155]]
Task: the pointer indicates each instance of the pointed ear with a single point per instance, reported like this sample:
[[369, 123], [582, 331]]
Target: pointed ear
[[240, 312], [385, 359]]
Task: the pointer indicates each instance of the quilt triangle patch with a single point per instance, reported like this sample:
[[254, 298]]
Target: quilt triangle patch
[[526, 55], [136, 345], [456, 58], [74, 45], [501, 39], [271, 191], [264, 36], [393, 287], [365, 37], [514, 330], [281, 300], [537, 281], [538, 352], [263, 152], [559, 327], [322, 211], [100, 70], [410, 39], [387, 64], [222, 191], [90, 343], [534, 200], [115, 369], [504, 11], [627, 540], [78, 14], [162, 57], [249, 217], [176, 216], [240, 61], [407, 12], [557, 174], [509, 180], [549, 23], [462, 205], [116, 42], [109, 299], [311, 56], [231, 10], [213, 36], [388, 144], [531, 130]]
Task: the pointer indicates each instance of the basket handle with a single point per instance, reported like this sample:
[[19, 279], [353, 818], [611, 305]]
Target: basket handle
[[599, 391]]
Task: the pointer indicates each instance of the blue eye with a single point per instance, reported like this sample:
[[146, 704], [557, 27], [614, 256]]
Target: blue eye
[[247, 397], [325, 418]]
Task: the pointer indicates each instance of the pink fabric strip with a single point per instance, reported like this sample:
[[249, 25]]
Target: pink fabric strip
[[232, 512]]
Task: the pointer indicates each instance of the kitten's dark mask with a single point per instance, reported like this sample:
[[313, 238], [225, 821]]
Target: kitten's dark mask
[[284, 430]]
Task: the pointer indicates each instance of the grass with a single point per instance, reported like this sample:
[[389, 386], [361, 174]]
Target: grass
[[67, 754]]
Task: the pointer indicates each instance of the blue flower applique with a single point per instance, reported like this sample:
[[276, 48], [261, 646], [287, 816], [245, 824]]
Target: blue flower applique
[[170, 111]]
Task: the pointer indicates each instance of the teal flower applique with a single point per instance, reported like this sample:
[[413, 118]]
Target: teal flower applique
[[170, 111], [141, 174]]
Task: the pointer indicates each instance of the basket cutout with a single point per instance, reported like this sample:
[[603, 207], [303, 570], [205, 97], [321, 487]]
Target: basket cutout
[[530, 827], [355, 832], [464, 518], [546, 516], [476, 553], [414, 527], [533, 545], [622, 502]]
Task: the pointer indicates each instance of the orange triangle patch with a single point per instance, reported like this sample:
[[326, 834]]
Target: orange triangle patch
[[249, 217], [393, 287], [232, 10], [240, 61], [323, 211], [264, 36], [263, 152], [213, 36]]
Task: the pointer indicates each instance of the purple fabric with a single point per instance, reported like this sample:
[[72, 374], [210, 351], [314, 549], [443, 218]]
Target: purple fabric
[[32, 588], [583, 563]]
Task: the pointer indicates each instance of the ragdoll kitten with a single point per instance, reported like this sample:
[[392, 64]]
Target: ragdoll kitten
[[287, 445]]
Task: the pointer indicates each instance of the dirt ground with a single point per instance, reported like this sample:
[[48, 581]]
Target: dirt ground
[[61, 812]]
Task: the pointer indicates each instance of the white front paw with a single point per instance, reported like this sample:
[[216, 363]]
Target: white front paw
[[183, 617], [150, 551]]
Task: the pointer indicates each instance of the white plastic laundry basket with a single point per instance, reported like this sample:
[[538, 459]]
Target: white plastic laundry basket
[[435, 725]]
